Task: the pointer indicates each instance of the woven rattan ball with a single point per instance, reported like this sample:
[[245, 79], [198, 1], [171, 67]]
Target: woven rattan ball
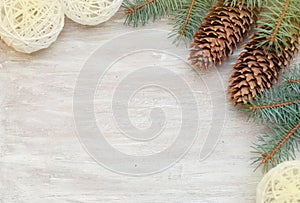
[[90, 12], [30, 25], [281, 184]]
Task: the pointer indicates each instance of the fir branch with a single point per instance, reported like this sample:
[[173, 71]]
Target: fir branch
[[279, 146], [276, 105], [187, 19], [140, 11], [270, 156], [270, 106], [279, 107], [293, 81], [279, 24], [135, 8]]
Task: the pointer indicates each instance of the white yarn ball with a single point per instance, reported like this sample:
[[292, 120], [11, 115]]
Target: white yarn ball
[[90, 12], [281, 184], [30, 25]]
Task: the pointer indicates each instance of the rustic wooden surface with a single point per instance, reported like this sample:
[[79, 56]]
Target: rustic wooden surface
[[42, 160]]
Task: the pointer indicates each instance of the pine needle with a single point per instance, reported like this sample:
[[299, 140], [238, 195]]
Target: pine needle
[[249, 3]]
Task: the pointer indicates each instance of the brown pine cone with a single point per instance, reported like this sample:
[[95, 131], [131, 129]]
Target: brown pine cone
[[219, 34], [258, 69]]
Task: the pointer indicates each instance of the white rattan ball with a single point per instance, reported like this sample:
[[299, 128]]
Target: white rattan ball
[[281, 184], [90, 12], [30, 25]]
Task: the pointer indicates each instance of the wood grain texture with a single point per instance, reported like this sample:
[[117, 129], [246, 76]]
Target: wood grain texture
[[42, 160]]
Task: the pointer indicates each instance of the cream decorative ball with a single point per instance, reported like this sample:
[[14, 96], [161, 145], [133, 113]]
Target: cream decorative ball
[[281, 184], [90, 12], [30, 25]]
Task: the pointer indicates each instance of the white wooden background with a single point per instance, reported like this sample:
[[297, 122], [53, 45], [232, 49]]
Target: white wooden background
[[42, 160]]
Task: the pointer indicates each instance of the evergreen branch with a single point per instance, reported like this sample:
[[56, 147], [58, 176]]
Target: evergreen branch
[[291, 133], [293, 81], [134, 8], [279, 24], [188, 18], [280, 19], [275, 105], [280, 107], [140, 11], [279, 146]]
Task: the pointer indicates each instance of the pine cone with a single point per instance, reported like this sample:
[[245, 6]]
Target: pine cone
[[257, 71], [219, 34]]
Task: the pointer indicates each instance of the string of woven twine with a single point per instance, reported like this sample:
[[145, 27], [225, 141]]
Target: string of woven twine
[[281, 184], [30, 25], [90, 12]]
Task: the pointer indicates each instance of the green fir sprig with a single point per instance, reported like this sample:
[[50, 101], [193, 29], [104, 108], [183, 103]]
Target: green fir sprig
[[277, 105], [277, 146], [141, 11], [278, 24], [279, 108]]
